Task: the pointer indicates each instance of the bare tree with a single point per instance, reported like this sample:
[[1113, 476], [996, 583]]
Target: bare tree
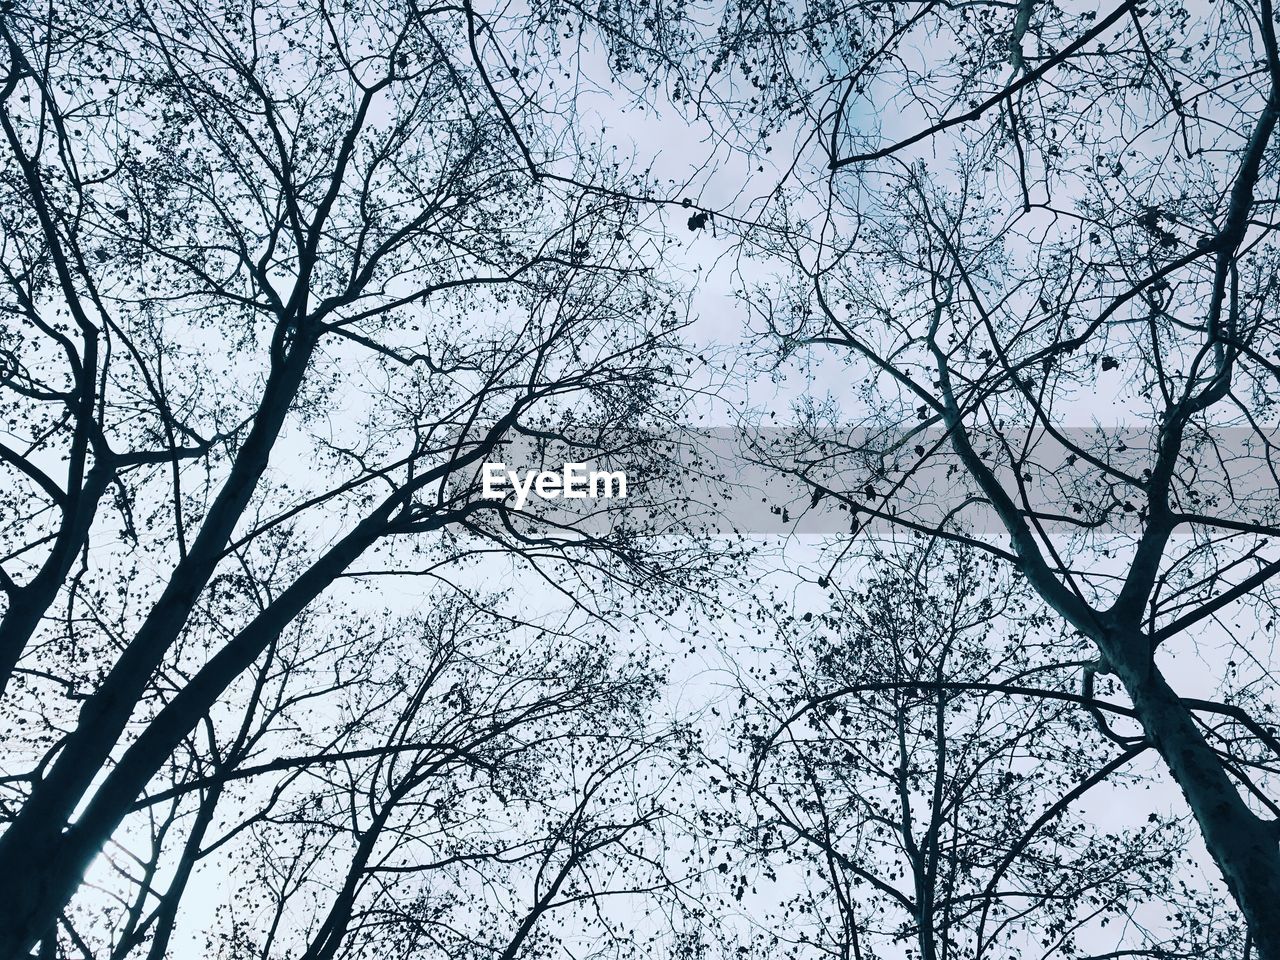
[[1009, 225], [916, 769], [221, 229], [518, 777], [279, 276]]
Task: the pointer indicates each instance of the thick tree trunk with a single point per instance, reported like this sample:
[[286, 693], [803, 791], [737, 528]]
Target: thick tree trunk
[[1245, 847], [41, 864], [42, 860], [36, 834]]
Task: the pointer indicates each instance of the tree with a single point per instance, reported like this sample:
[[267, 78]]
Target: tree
[[279, 276], [520, 778], [915, 768], [221, 226], [1010, 222]]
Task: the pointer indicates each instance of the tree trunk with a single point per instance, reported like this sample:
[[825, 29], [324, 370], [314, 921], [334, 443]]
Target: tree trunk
[[41, 864], [1245, 847], [324, 945], [36, 833]]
